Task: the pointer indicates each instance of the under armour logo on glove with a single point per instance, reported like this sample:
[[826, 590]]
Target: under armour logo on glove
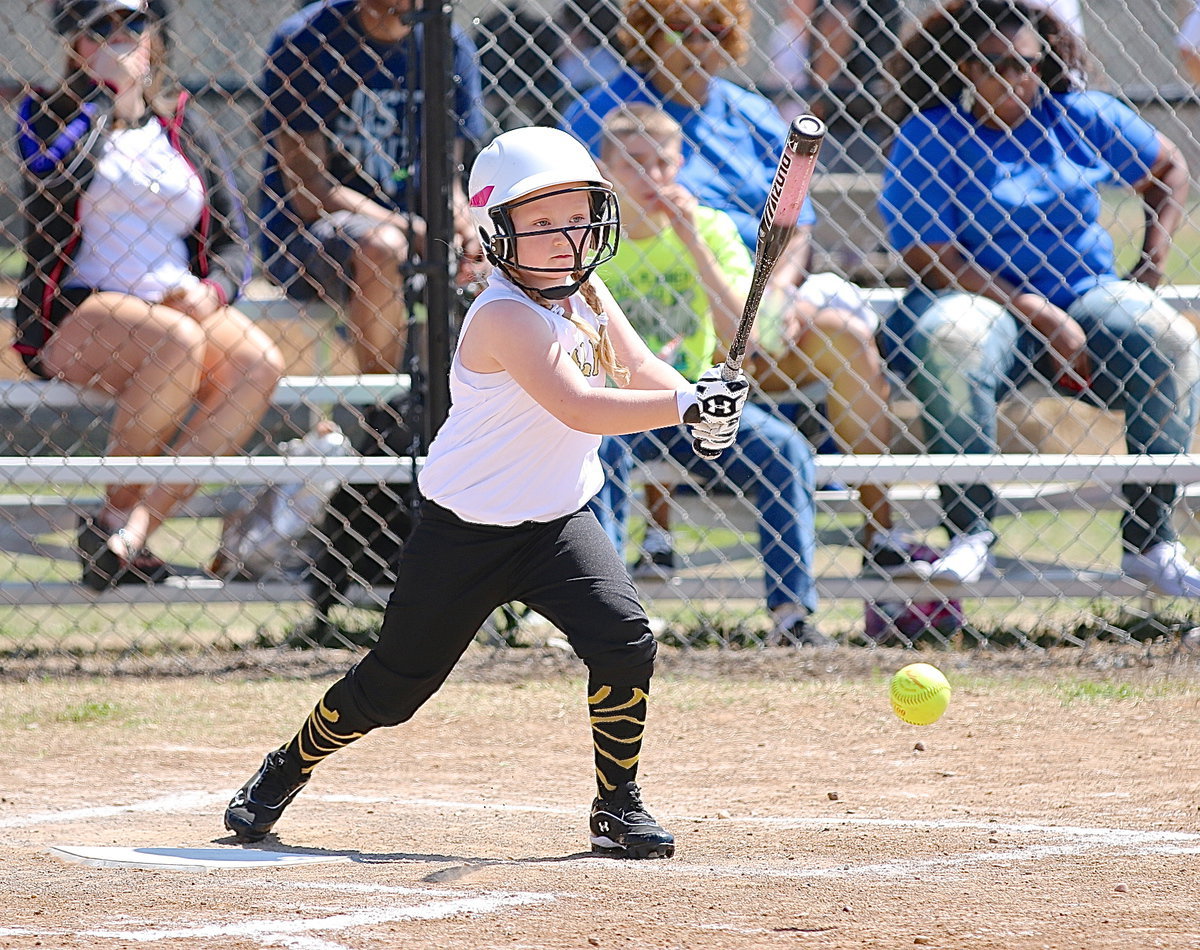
[[721, 399], [719, 406]]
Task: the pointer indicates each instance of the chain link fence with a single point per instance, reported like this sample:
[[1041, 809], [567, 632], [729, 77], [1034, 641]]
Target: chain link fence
[[115, 410]]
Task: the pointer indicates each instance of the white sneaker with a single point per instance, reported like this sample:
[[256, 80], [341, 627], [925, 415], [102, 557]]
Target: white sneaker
[[1164, 568], [965, 560], [890, 554]]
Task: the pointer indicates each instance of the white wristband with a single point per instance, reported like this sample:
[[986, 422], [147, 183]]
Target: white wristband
[[685, 399]]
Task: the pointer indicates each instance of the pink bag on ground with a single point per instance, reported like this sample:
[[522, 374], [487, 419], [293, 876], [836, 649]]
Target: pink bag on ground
[[900, 621]]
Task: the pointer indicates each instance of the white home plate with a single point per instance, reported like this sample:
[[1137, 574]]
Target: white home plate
[[187, 859]]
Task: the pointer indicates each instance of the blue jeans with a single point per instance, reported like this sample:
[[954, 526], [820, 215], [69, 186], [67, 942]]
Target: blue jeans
[[960, 354], [771, 460]]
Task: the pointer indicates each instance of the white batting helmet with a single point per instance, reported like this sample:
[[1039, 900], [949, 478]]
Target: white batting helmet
[[522, 161]]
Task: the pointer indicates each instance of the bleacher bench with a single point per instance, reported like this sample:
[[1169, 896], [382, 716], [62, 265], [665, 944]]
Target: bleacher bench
[[1017, 580]]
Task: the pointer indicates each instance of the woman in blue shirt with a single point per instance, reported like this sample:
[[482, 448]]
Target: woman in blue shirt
[[991, 194]]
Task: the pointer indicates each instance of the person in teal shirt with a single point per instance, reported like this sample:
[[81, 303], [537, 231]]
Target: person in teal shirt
[[683, 271]]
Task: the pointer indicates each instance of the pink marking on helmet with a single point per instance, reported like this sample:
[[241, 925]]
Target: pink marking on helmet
[[480, 198]]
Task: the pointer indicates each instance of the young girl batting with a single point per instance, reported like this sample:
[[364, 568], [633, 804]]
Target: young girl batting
[[506, 485]]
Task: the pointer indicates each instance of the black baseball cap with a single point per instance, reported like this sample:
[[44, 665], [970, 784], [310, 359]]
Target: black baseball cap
[[74, 16]]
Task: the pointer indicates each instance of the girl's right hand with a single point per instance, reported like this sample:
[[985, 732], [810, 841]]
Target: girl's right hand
[[1064, 337], [680, 205]]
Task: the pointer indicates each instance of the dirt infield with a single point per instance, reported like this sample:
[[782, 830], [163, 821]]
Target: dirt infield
[[1055, 805]]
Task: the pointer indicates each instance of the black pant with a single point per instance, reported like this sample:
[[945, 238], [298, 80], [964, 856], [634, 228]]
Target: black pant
[[453, 574]]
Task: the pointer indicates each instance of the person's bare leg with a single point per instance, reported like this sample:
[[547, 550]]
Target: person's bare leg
[[376, 311], [656, 555], [241, 369], [658, 504], [148, 357]]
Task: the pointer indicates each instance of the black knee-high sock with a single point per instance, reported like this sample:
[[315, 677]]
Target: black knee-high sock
[[333, 724], [618, 715]]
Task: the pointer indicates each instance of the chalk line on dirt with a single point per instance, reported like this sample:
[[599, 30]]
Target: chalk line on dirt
[[296, 933], [182, 801], [319, 933], [188, 801]]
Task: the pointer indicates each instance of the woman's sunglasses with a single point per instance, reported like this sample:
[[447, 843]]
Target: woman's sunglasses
[[107, 27], [1009, 63], [697, 29]]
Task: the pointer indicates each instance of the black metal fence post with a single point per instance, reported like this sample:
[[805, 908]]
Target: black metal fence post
[[436, 154]]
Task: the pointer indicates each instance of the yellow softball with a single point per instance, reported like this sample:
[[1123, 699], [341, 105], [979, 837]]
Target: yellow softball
[[919, 693]]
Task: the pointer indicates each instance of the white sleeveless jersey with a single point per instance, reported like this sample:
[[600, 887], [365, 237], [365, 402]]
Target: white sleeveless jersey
[[500, 458]]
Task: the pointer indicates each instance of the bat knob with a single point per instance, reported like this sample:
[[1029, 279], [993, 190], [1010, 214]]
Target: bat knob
[[809, 125], [704, 453]]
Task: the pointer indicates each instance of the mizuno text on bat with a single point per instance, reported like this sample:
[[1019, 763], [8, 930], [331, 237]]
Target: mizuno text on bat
[[778, 223]]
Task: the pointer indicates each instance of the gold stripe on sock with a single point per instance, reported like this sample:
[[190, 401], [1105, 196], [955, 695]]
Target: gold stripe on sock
[[326, 713], [602, 694], [623, 763], [605, 784]]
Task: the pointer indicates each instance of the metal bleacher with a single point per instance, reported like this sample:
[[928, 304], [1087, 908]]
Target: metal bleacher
[[1026, 481]]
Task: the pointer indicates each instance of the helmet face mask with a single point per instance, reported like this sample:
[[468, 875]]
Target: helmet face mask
[[592, 244], [524, 165]]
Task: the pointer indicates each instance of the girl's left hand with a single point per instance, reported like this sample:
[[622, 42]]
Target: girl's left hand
[[197, 300]]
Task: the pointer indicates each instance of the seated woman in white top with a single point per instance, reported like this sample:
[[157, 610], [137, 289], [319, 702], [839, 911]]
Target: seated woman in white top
[[135, 253]]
